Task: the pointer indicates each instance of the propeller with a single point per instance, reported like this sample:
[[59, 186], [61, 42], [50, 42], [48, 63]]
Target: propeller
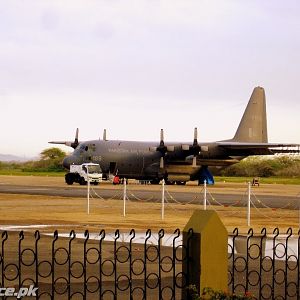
[[162, 149], [75, 143], [195, 148], [67, 143], [104, 135]]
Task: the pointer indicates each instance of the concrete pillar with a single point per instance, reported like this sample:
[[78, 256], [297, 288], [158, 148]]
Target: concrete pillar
[[207, 249]]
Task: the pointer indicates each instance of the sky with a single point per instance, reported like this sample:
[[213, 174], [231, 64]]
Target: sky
[[134, 67]]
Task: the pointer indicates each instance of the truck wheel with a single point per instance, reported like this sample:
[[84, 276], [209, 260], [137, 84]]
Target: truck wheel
[[169, 182], [82, 181], [69, 179]]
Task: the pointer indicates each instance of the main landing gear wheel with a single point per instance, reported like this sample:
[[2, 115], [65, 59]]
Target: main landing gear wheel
[[181, 182], [168, 182], [154, 181]]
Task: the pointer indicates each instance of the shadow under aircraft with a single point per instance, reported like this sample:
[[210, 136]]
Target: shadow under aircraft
[[180, 162]]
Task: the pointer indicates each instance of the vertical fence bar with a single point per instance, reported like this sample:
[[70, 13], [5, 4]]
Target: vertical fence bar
[[235, 235], [161, 234], [289, 234], [37, 238], [21, 238], [117, 236], [187, 262], [298, 266], [86, 236], [205, 195], [4, 239], [55, 237], [276, 233], [102, 237], [262, 240], [174, 259], [148, 235], [248, 255], [72, 237], [132, 233]]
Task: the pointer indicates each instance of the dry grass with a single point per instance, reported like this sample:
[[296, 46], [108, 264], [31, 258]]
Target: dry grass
[[67, 213]]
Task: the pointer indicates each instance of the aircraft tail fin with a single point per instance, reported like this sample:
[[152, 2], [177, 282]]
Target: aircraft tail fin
[[253, 125]]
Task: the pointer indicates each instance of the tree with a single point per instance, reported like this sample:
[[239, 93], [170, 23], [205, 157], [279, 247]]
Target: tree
[[52, 154], [51, 160]]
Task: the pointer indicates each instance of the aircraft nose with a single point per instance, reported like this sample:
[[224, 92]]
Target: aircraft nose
[[70, 160]]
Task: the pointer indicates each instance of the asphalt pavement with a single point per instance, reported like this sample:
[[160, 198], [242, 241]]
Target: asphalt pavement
[[136, 192]]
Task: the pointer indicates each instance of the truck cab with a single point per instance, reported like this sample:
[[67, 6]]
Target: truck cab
[[83, 173]]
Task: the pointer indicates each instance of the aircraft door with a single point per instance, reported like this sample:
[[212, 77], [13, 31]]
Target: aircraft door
[[112, 168]]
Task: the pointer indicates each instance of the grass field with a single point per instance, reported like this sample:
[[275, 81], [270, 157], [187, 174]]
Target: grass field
[[267, 180], [19, 172]]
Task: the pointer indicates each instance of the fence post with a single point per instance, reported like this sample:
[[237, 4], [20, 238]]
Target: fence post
[[206, 264], [163, 199], [205, 195], [249, 205]]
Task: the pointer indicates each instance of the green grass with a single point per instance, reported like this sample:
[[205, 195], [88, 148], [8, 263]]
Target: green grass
[[18, 172], [269, 180]]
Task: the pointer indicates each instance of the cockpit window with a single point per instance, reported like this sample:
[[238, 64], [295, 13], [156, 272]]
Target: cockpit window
[[79, 149]]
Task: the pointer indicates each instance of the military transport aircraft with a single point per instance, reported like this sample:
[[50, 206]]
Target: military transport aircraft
[[178, 162]]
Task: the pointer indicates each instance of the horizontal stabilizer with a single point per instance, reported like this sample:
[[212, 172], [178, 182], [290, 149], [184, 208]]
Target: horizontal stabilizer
[[241, 145], [269, 147]]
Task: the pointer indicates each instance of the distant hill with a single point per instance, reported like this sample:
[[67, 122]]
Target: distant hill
[[8, 157]]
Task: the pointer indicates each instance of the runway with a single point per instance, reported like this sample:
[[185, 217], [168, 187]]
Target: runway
[[232, 195]]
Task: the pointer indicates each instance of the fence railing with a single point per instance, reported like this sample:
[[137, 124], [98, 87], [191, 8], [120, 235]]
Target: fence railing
[[95, 267], [265, 265], [144, 266]]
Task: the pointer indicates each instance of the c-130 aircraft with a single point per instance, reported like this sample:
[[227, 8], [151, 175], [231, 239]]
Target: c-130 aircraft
[[178, 162]]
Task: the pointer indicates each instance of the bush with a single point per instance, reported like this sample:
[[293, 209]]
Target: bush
[[51, 161], [210, 294], [265, 167]]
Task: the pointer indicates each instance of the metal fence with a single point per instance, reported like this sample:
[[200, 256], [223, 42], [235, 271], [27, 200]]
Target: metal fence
[[144, 265], [265, 265], [99, 266]]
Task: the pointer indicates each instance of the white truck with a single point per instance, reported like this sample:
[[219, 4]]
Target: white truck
[[81, 173]]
